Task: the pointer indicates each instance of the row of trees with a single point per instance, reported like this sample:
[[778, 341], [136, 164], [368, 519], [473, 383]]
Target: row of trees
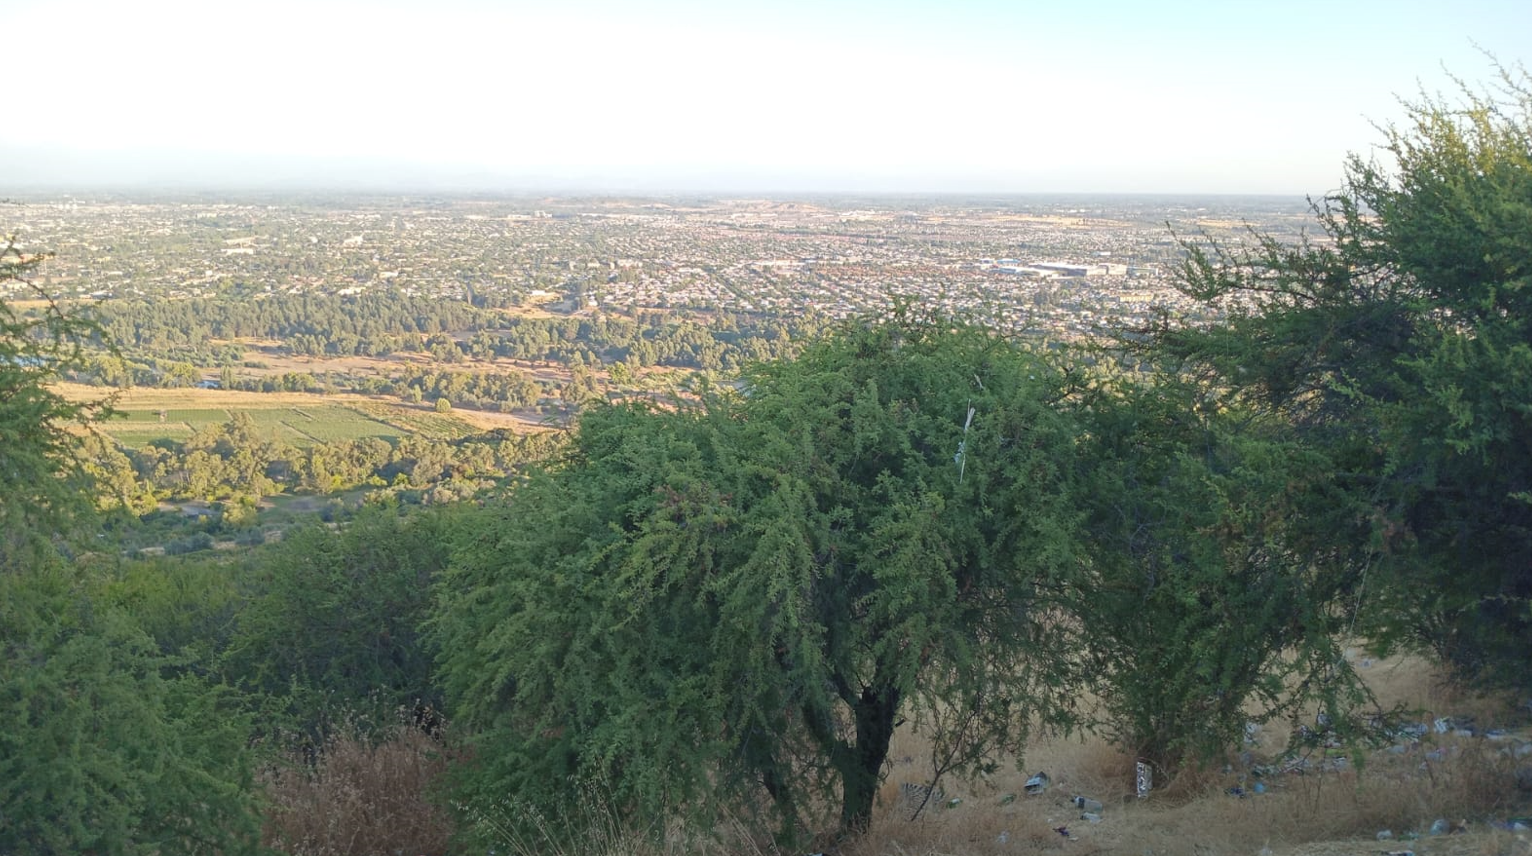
[[378, 324], [713, 605], [239, 459]]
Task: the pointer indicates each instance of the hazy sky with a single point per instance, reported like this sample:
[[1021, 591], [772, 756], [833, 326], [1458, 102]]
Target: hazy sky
[[1063, 95]]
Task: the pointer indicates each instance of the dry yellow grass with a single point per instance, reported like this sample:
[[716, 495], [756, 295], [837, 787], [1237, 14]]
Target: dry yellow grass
[[1465, 781], [1468, 780]]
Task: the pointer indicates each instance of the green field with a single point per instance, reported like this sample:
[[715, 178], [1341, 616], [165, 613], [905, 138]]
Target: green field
[[294, 425], [432, 426]]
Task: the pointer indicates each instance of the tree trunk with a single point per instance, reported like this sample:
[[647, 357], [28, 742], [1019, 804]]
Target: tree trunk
[[875, 716]]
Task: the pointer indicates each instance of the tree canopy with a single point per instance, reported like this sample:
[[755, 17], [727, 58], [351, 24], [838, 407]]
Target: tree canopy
[[1400, 344], [737, 600], [41, 478], [110, 745]]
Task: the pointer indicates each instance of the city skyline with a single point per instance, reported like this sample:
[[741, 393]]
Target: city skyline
[[678, 96]]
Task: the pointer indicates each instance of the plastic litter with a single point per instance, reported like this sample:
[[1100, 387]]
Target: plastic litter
[[1090, 817], [1037, 784], [1385, 834], [1143, 779], [1088, 804]]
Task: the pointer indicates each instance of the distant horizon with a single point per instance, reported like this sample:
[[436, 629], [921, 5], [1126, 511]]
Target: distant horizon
[[790, 96], [66, 172]]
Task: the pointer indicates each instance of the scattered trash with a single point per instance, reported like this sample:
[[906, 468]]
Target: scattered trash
[[1062, 830], [1088, 804], [1143, 779], [1037, 784], [1004, 836], [954, 802], [1385, 834], [1443, 725], [1258, 788], [1398, 852], [917, 795], [1252, 733], [1090, 817], [1235, 791], [1439, 827]]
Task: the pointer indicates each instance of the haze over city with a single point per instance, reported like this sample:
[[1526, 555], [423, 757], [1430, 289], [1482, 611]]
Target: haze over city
[[1190, 97]]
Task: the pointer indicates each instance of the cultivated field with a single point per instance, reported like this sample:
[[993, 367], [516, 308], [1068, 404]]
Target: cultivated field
[[299, 419]]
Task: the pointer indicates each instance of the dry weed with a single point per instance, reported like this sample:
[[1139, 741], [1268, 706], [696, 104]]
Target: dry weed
[[359, 797], [1465, 781]]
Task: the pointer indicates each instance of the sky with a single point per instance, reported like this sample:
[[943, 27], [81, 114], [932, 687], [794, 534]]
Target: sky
[[782, 96]]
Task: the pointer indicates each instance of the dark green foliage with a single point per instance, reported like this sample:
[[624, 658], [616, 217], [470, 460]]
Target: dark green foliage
[[331, 623], [714, 605], [186, 605], [109, 746], [1211, 598], [43, 483], [1402, 349]]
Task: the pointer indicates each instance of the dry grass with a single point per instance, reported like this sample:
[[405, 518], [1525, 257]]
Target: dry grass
[[1467, 781], [1471, 782], [360, 797]]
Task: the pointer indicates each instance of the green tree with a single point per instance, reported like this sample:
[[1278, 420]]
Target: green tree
[[708, 605], [1210, 598], [43, 483], [1402, 347], [331, 623], [106, 749], [109, 746]]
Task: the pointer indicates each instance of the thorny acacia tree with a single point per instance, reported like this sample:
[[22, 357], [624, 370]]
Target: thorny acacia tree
[[109, 746], [1211, 595], [1401, 347], [42, 480], [737, 601]]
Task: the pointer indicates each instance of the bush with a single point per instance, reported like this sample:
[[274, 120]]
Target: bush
[[190, 544], [332, 622], [102, 750]]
